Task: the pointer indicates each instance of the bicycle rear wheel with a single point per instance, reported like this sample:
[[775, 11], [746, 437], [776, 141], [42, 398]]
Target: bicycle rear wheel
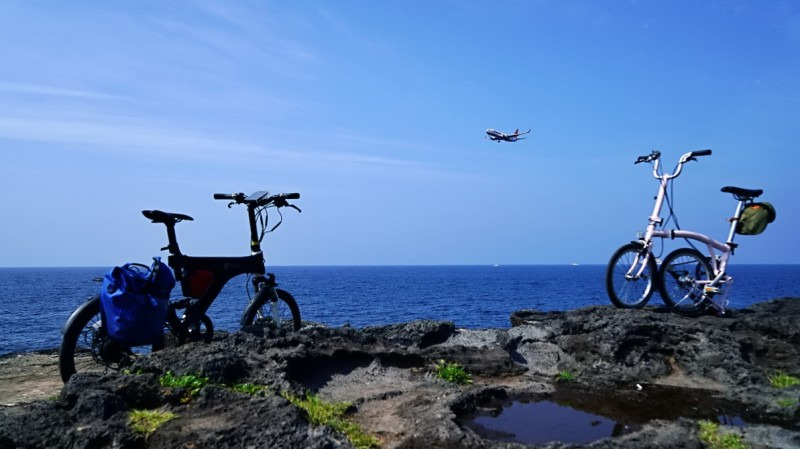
[[627, 289], [679, 276], [281, 314], [86, 346]]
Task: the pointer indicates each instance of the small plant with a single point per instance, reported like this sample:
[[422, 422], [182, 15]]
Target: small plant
[[711, 436], [145, 422], [453, 373], [323, 413], [783, 380], [251, 389], [189, 381], [787, 402], [565, 376]]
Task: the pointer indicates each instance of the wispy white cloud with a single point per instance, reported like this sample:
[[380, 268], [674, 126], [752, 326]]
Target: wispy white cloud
[[55, 91], [184, 83], [248, 34], [138, 138], [343, 27]]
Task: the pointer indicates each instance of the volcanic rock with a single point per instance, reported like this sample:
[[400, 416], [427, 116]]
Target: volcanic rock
[[647, 358]]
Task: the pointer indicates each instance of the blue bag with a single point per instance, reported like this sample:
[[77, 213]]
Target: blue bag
[[134, 302]]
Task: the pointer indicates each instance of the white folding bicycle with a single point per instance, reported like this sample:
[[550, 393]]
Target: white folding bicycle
[[689, 282]]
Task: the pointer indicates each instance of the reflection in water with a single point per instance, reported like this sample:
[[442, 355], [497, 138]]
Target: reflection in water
[[545, 421], [579, 417]]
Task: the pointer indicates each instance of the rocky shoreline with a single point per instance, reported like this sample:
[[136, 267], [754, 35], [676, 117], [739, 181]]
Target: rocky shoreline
[[653, 373]]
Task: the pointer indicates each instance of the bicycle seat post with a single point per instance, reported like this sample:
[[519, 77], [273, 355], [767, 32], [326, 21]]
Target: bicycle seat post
[[735, 221], [169, 220], [172, 240]]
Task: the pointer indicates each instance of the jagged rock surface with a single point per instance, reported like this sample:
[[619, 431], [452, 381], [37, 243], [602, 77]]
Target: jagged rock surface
[[386, 373]]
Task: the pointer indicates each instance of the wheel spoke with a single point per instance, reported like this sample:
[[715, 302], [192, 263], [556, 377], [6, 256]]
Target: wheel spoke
[[629, 279], [682, 272]]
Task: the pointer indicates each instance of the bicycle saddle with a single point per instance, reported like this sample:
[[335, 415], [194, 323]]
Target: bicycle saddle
[[739, 192], [158, 216]]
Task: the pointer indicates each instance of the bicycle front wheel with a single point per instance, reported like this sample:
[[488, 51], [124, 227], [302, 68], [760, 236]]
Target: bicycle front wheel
[[265, 311], [629, 276], [680, 285]]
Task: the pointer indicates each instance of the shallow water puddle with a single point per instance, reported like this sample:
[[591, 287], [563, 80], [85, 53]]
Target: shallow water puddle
[[545, 421], [579, 417]]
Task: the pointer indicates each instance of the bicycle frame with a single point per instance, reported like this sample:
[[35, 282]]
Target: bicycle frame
[[203, 278], [719, 263]]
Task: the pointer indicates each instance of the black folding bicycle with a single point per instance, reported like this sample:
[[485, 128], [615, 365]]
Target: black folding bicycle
[[86, 345]]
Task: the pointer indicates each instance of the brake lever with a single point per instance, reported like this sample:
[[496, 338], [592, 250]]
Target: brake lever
[[294, 207], [231, 204]]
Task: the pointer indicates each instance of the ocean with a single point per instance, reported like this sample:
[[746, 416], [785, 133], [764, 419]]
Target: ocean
[[35, 302]]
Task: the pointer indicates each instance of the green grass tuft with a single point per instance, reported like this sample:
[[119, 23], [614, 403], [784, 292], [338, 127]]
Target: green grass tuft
[[565, 376], [787, 402], [251, 389], [145, 422], [189, 381], [453, 373], [783, 380], [323, 413], [711, 436]]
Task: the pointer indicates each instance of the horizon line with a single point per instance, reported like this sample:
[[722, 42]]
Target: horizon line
[[494, 265]]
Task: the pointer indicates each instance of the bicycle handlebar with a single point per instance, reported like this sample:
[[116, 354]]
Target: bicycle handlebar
[[655, 155], [258, 198], [237, 197], [700, 153]]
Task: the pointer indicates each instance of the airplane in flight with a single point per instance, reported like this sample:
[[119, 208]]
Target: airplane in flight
[[497, 136]]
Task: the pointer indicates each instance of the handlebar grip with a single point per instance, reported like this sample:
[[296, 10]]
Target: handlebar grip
[[655, 154], [291, 196], [701, 153], [223, 196]]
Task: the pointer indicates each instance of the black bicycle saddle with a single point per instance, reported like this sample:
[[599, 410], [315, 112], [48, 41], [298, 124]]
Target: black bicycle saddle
[[158, 216], [739, 192]]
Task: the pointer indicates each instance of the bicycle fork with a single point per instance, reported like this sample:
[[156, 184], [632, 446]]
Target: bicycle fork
[[639, 263], [268, 283]]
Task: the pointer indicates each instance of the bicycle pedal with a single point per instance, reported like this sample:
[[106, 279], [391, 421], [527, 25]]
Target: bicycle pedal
[[710, 290]]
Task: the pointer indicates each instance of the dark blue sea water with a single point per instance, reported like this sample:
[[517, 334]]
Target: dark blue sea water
[[35, 302]]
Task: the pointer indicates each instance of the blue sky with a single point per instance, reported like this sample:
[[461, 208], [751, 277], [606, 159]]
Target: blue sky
[[375, 113]]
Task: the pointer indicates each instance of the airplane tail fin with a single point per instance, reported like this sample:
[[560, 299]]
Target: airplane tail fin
[[517, 131]]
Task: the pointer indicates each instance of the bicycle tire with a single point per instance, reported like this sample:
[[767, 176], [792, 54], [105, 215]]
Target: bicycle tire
[[86, 346], [201, 330], [256, 314], [678, 278], [627, 293]]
